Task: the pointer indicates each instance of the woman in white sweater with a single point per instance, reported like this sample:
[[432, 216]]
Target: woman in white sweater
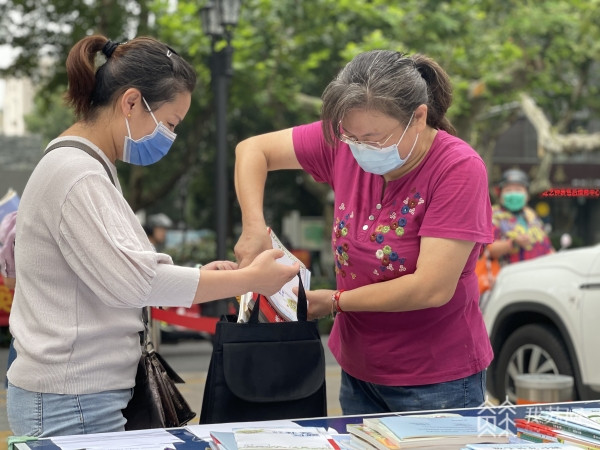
[[85, 268]]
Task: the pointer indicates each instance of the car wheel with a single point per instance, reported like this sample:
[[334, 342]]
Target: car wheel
[[529, 349]]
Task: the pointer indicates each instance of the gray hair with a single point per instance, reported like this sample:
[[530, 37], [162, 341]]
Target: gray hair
[[391, 83]]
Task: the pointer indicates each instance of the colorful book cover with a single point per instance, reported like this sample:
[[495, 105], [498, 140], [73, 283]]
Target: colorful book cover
[[257, 438], [571, 422], [523, 446], [266, 313], [592, 414], [372, 436], [419, 427]]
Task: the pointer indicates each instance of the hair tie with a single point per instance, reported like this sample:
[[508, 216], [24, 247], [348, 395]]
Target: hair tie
[[109, 48]]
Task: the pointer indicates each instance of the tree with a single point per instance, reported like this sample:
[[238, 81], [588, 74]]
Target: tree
[[287, 51]]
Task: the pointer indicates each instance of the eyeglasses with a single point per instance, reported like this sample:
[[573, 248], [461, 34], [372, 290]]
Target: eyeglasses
[[364, 144]]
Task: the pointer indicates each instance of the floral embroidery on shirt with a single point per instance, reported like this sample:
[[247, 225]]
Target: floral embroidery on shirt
[[388, 258], [384, 237], [411, 203], [340, 229]]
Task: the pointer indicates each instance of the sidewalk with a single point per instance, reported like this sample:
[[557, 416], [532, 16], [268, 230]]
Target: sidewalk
[[185, 357]]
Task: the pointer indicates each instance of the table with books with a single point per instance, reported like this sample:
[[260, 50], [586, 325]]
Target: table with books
[[569, 425]]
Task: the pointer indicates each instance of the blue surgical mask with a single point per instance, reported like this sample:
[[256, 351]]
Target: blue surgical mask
[[150, 148], [380, 160]]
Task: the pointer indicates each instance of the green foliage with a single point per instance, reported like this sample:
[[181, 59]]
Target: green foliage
[[55, 119], [286, 51]]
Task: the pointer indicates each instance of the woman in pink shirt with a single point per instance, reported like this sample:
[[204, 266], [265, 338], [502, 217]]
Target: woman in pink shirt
[[411, 213]]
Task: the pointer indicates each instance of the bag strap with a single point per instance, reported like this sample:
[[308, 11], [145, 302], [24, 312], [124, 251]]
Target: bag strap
[[301, 310], [86, 148], [144, 335]]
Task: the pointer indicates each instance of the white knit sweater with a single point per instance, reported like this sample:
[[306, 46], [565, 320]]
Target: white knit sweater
[[85, 268]]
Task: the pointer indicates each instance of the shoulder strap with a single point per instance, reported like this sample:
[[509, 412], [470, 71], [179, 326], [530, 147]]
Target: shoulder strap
[[85, 148]]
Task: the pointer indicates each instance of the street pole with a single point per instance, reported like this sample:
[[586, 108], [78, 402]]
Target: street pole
[[221, 74], [219, 18]]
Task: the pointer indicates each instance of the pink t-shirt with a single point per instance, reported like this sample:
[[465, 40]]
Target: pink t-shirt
[[375, 239]]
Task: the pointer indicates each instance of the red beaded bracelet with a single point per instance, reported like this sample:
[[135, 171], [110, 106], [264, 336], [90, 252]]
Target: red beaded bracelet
[[335, 300]]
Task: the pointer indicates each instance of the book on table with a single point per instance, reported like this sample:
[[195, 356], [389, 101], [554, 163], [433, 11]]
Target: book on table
[[362, 435], [283, 305], [569, 421], [568, 427], [521, 446], [592, 414], [431, 432], [269, 438]]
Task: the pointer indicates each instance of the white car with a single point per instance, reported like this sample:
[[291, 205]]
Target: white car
[[543, 316]]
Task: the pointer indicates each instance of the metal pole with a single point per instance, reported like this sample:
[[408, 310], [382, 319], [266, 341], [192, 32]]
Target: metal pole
[[222, 72]]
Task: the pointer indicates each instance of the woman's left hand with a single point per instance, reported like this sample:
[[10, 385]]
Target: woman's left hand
[[319, 302], [220, 265]]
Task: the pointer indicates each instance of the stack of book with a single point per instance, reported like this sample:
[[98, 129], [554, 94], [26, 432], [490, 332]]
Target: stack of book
[[580, 427], [400, 432]]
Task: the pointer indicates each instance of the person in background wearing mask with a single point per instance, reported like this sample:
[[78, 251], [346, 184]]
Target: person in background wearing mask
[[411, 212], [85, 268], [518, 231]]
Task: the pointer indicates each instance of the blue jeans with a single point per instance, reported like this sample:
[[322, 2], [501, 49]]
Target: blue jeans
[[361, 397], [12, 354], [42, 415]]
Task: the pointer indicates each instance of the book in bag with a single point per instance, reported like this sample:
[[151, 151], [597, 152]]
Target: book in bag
[[282, 306]]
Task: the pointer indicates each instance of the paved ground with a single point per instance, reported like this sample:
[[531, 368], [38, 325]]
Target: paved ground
[[190, 359]]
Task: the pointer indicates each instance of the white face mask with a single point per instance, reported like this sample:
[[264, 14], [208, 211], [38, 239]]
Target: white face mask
[[381, 160]]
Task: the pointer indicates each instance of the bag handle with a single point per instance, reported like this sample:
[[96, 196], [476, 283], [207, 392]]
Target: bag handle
[[85, 148], [301, 310]]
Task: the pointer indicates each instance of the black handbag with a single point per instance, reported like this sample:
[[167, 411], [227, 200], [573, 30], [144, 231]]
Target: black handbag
[[265, 371], [156, 401]]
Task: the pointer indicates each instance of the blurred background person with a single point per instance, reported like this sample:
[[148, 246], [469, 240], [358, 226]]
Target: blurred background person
[[156, 227], [519, 233]]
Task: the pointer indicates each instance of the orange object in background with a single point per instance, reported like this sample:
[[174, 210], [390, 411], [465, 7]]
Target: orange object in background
[[6, 298], [302, 255], [486, 269]]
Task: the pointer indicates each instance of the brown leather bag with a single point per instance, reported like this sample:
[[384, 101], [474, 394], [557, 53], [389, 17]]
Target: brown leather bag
[[156, 401]]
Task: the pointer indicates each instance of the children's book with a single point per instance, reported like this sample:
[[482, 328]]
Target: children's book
[[571, 422], [223, 440], [371, 436], [532, 446], [435, 432], [282, 438], [267, 312], [283, 305], [592, 414]]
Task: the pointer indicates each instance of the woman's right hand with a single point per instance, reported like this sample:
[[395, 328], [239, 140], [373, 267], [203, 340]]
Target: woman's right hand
[[251, 243], [269, 276]]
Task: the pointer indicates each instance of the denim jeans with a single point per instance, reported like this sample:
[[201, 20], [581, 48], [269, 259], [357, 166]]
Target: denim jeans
[[12, 354], [42, 415], [361, 397]]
